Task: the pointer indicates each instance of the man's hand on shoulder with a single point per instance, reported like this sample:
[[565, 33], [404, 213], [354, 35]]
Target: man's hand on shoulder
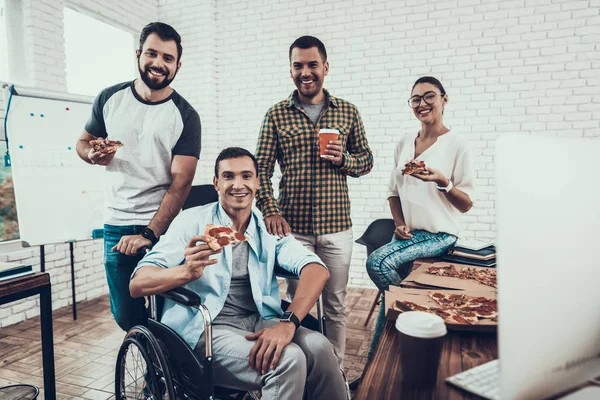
[[269, 345], [197, 254], [277, 225], [131, 244]]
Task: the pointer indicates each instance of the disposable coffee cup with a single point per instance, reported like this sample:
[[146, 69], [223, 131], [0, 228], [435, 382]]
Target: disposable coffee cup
[[421, 338], [325, 135]]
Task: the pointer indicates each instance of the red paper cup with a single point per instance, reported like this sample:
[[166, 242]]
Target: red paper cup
[[325, 135]]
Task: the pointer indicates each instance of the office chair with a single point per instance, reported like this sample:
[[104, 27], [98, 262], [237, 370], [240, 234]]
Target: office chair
[[200, 195], [377, 234]]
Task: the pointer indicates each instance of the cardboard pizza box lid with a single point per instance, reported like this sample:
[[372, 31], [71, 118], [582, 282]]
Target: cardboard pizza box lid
[[421, 277], [421, 297]]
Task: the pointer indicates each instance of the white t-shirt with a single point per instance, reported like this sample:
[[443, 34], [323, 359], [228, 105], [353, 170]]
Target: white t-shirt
[[423, 206], [152, 133]]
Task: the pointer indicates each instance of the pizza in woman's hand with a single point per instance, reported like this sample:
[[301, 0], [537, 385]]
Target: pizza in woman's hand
[[412, 167], [105, 146], [220, 236]]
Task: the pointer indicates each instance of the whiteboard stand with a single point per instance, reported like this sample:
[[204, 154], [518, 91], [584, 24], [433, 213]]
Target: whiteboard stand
[[73, 279], [42, 259], [43, 269]]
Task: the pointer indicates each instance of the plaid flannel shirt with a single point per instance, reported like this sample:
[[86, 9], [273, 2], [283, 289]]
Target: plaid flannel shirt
[[313, 193]]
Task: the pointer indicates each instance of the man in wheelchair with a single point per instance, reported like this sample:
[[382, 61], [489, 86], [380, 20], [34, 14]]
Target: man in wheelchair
[[253, 346]]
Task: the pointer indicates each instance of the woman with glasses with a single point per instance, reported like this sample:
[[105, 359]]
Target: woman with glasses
[[427, 204]]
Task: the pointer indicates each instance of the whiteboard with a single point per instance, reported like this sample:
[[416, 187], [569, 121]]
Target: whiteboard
[[59, 196]]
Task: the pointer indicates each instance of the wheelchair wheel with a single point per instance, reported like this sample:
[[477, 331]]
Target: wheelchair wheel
[[142, 372]]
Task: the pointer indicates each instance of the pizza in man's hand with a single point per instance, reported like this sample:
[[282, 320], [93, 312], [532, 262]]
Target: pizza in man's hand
[[220, 236], [105, 146], [413, 166]]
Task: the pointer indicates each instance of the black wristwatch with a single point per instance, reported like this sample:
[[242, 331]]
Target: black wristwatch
[[289, 316], [149, 234]]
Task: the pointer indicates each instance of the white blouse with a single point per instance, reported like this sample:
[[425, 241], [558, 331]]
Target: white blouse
[[423, 206]]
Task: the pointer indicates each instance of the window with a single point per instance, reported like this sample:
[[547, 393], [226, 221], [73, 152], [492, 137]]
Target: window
[[98, 55], [3, 44]]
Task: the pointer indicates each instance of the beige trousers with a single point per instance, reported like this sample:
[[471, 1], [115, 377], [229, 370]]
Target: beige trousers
[[335, 249]]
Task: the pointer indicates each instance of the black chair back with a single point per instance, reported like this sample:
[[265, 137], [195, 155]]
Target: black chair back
[[201, 195], [378, 233]]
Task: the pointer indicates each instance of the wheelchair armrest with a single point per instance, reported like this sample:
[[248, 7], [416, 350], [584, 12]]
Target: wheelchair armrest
[[183, 296]]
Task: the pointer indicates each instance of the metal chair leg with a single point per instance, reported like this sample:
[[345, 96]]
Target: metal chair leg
[[376, 301], [321, 316]]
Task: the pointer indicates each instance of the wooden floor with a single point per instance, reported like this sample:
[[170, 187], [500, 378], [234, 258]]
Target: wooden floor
[[85, 350]]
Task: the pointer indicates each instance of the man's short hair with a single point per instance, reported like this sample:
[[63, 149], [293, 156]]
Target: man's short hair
[[234, 152], [165, 32], [307, 42]]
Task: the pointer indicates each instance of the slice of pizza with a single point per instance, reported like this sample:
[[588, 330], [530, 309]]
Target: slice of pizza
[[220, 236], [448, 270], [410, 305], [454, 316], [412, 167], [105, 146]]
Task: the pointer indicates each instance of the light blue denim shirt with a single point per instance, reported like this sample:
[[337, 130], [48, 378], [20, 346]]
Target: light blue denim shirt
[[213, 286]]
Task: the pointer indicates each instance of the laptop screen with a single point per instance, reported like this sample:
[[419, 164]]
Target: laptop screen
[[548, 251]]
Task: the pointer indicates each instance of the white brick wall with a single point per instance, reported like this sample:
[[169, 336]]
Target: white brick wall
[[44, 56], [197, 80], [529, 67]]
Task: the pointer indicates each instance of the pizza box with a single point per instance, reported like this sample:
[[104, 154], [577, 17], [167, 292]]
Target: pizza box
[[421, 297], [419, 278], [409, 281]]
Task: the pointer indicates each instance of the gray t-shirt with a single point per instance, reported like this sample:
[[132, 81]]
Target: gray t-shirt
[[152, 134], [240, 309], [313, 111]]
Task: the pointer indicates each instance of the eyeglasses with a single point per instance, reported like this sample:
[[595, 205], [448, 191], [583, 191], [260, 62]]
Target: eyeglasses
[[428, 97]]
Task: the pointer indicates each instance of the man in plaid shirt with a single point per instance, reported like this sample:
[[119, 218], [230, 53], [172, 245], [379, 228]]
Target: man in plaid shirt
[[313, 192]]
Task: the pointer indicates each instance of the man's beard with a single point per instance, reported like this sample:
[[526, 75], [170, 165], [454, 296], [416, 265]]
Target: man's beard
[[146, 78], [317, 83]]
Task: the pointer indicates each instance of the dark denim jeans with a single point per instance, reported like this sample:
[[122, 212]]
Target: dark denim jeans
[[390, 264], [127, 311]]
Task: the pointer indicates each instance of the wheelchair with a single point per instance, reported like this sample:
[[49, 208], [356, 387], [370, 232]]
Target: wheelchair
[[154, 362]]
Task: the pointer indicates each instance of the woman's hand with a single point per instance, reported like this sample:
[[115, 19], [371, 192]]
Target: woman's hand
[[432, 175], [402, 232]]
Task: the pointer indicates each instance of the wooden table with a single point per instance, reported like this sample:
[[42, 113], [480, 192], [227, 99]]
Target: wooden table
[[30, 285], [461, 350]]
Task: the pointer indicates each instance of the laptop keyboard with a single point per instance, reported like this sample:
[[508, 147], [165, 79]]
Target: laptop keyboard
[[483, 380]]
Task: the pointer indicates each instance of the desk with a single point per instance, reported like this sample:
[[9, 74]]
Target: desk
[[30, 285], [460, 351]]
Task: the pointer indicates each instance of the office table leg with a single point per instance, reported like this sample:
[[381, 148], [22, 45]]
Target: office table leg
[[47, 342]]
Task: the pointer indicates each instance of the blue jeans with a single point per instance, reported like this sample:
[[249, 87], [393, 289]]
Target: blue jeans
[[391, 263], [127, 311]]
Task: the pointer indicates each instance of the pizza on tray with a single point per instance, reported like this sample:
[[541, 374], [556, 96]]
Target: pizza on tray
[[220, 236], [457, 308], [105, 146], [485, 276], [412, 167]]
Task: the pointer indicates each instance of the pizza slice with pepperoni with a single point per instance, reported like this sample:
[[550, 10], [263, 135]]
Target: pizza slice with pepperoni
[[449, 315], [412, 167], [220, 236], [467, 306], [105, 146]]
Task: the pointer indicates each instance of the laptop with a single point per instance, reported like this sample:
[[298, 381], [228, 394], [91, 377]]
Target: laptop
[[548, 251]]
